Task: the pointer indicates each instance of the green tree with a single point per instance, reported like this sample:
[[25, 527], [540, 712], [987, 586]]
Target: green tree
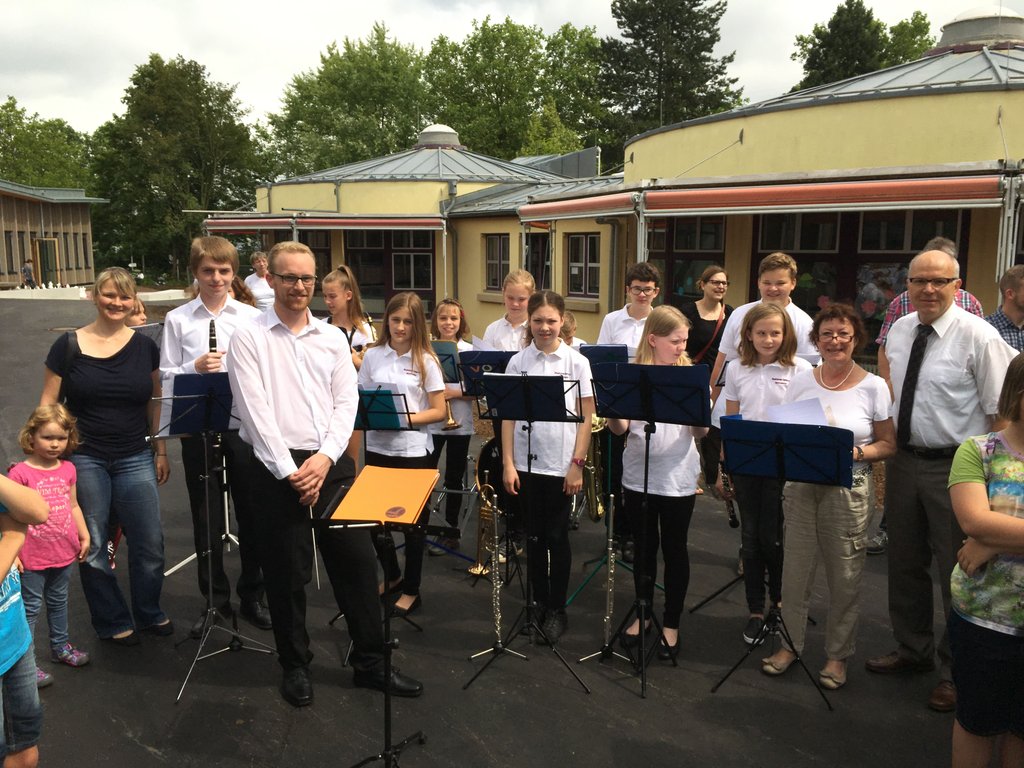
[[854, 43], [180, 146], [571, 81], [662, 69], [546, 134], [488, 86], [363, 101], [41, 153]]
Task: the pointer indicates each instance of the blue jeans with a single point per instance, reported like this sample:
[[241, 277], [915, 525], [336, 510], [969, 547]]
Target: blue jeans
[[20, 710], [126, 489], [51, 585]]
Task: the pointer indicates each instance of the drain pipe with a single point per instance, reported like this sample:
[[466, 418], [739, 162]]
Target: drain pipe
[[613, 269]]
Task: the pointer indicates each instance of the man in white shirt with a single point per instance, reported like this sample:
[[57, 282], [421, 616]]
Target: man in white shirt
[[195, 340], [962, 361], [295, 384]]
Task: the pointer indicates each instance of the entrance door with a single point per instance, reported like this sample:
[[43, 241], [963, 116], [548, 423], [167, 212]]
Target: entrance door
[[47, 258]]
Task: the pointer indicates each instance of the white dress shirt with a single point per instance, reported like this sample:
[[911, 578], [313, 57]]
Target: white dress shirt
[[383, 365], [293, 391], [187, 338], [674, 464], [619, 327], [552, 442], [961, 376], [504, 336], [758, 386], [261, 291]]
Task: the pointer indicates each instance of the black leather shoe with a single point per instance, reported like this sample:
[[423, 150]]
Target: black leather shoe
[[257, 614], [196, 631], [401, 685], [628, 551], [400, 613], [296, 688], [667, 652]]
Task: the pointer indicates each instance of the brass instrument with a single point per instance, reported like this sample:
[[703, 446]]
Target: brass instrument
[[486, 530], [451, 423], [593, 471], [448, 350]]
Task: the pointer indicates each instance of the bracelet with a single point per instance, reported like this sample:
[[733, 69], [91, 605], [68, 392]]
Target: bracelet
[[860, 453]]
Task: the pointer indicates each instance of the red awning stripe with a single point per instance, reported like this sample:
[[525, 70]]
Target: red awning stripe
[[961, 192], [580, 208]]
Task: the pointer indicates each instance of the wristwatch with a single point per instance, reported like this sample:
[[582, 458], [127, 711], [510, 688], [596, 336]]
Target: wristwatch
[[859, 453], [579, 462]]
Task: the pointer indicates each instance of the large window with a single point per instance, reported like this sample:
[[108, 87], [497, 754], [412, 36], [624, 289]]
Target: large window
[[496, 263], [412, 271], [538, 259], [419, 239], [796, 232], [699, 233], [906, 231], [9, 247], [364, 238], [584, 263]]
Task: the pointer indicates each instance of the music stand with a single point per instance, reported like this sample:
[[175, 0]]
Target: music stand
[[529, 399], [201, 405], [649, 393], [799, 452], [392, 499]]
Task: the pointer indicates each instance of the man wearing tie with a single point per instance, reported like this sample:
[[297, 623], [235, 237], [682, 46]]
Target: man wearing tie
[[195, 340], [947, 369], [295, 385]]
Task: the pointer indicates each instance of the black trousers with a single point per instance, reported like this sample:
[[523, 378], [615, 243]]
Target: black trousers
[[239, 460], [545, 509], [670, 517], [761, 527], [285, 543], [414, 540]]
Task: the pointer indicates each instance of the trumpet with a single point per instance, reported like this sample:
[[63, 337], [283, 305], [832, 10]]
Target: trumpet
[[451, 423]]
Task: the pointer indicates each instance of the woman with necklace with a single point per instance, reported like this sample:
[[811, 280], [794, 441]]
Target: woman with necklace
[[707, 316], [829, 523]]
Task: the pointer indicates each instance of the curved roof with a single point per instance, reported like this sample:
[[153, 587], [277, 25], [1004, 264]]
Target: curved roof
[[953, 69], [428, 164]]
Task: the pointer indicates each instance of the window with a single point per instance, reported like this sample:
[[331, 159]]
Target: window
[[538, 259], [906, 231], [412, 239], [9, 246], [496, 263], [85, 250], [794, 232], [412, 271], [364, 238], [656, 231], [584, 264], [67, 252], [699, 233]]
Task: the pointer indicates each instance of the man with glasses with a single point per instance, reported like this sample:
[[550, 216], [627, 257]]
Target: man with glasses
[[626, 326], [293, 378], [964, 361]]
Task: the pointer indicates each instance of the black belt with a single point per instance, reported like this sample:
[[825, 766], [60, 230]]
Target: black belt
[[931, 453], [301, 454]]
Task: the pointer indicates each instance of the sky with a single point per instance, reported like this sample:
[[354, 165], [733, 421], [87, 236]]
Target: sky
[[72, 60]]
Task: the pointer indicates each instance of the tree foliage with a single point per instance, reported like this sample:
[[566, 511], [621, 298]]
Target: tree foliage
[[41, 153], [180, 145], [363, 101], [854, 43], [546, 134], [662, 69]]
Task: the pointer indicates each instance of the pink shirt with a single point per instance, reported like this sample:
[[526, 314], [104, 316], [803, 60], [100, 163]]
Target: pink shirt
[[53, 544]]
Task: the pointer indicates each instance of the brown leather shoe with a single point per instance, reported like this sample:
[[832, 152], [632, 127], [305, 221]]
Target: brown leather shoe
[[943, 698], [894, 664]]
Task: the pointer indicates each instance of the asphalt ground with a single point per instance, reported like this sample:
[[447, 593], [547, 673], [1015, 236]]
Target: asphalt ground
[[121, 709]]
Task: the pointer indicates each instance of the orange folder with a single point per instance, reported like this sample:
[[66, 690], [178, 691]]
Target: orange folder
[[386, 495]]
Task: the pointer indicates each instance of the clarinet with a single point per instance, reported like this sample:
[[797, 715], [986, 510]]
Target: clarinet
[[217, 447]]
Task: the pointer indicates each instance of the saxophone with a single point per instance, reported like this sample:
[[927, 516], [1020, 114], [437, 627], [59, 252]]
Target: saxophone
[[486, 530], [593, 475]]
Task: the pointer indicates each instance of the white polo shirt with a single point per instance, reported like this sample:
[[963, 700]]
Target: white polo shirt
[[504, 336], [382, 365], [756, 387], [462, 409], [619, 327], [552, 442], [675, 463]]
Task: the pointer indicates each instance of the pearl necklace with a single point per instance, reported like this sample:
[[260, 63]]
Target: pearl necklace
[[821, 376]]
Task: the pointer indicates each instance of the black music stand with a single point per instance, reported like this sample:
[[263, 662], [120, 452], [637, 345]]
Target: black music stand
[[649, 393], [201, 405], [798, 452], [529, 399]]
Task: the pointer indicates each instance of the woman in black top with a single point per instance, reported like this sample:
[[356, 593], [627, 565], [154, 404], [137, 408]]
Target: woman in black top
[[707, 317], [109, 375]]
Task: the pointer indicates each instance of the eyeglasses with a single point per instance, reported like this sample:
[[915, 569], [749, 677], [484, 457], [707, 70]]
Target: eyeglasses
[[934, 282], [842, 336], [636, 290], [307, 280], [718, 283]]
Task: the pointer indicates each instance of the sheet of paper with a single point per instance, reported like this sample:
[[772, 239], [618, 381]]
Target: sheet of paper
[[482, 345], [800, 412]]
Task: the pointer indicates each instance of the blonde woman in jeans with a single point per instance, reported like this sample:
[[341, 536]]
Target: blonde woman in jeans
[[829, 523]]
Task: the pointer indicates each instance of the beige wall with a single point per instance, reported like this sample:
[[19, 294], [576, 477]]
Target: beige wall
[[907, 131], [482, 307], [363, 198]]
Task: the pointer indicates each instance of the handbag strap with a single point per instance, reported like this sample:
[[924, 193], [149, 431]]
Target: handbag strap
[[70, 353], [714, 335]]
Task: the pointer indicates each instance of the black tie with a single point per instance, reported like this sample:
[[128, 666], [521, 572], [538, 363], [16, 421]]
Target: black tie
[[910, 385]]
